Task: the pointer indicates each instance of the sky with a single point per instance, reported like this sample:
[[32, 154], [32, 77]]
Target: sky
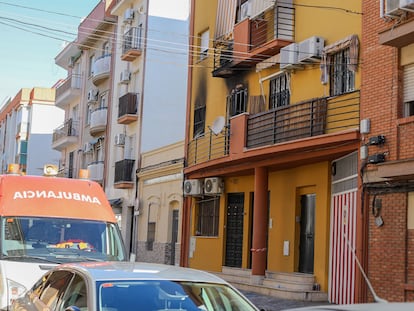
[[33, 33]]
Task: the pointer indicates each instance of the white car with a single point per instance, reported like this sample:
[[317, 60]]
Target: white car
[[125, 286], [377, 306]]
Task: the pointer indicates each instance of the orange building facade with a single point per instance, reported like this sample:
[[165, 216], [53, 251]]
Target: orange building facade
[[271, 175]]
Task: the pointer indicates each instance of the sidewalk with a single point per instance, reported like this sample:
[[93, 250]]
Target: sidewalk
[[270, 303]]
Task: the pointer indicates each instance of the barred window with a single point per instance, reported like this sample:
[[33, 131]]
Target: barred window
[[342, 79], [279, 91], [207, 213]]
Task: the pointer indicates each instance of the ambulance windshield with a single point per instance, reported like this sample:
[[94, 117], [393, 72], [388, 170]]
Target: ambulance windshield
[[59, 240]]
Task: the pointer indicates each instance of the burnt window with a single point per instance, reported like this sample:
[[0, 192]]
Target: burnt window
[[279, 91], [199, 121], [237, 101]]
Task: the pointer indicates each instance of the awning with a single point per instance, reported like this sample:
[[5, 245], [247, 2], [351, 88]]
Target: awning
[[115, 202]]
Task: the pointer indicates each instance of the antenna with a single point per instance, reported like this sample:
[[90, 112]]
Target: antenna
[[218, 125]]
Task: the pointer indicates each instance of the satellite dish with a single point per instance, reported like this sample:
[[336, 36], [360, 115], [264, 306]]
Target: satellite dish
[[218, 125]]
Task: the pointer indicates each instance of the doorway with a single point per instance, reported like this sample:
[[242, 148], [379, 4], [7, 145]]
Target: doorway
[[307, 233], [234, 230]]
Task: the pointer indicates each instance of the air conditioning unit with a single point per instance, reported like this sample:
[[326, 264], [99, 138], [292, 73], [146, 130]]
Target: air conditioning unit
[[289, 56], [407, 5], [310, 50], [71, 62], [192, 187], [125, 77], [245, 10], [392, 8], [87, 147], [120, 139], [128, 15], [213, 186], [93, 95]]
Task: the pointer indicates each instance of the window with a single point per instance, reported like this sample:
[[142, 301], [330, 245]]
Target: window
[[279, 91], [199, 121], [54, 287], [207, 213], [204, 43], [237, 101], [408, 90], [91, 63], [106, 49], [342, 80], [76, 294], [150, 236]]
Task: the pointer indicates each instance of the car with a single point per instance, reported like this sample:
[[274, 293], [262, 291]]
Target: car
[[374, 306], [125, 286]]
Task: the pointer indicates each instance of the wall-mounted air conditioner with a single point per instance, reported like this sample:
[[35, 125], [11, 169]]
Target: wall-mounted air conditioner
[[120, 139], [87, 147], [289, 56], [245, 10], [310, 50], [128, 15], [93, 95], [407, 5], [125, 77], [213, 186], [192, 187], [392, 8]]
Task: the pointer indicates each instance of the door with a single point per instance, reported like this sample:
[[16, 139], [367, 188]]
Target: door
[[234, 230], [174, 235], [307, 233]]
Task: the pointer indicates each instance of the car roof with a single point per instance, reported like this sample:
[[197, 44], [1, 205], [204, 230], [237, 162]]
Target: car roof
[[118, 270]]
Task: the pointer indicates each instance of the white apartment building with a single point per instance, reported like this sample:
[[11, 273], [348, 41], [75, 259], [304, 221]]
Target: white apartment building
[[26, 126]]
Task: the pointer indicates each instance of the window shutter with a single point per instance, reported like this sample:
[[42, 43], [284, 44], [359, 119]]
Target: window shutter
[[408, 83]]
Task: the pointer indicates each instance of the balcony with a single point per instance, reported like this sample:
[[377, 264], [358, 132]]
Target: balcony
[[101, 69], [254, 40], [124, 174], [323, 126], [132, 44], [208, 147], [96, 170], [65, 135], [128, 108], [98, 121], [95, 25], [68, 90]]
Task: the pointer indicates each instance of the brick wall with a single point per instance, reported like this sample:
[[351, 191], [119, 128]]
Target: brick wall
[[387, 247], [391, 246]]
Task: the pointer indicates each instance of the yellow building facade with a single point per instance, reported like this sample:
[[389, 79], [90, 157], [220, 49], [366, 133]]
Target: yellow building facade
[[272, 142]]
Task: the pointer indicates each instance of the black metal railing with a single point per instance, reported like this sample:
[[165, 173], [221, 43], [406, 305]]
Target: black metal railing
[[124, 170], [306, 119], [128, 104], [208, 147], [69, 128]]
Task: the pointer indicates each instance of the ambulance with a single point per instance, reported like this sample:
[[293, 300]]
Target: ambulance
[[46, 221]]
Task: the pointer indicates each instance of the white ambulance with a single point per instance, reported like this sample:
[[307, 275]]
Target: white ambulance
[[45, 221]]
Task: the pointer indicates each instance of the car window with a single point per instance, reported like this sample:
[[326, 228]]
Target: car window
[[76, 294], [53, 288], [152, 295]]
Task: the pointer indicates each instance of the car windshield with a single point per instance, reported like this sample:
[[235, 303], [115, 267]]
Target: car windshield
[[59, 240], [169, 295]]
